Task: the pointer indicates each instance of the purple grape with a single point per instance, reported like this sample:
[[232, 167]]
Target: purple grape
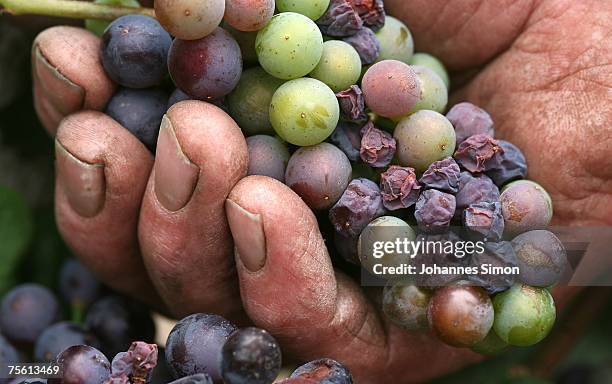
[[324, 371], [434, 211], [208, 68], [78, 285], [442, 175], [250, 356], [443, 250], [200, 378], [268, 156], [512, 166], [347, 137], [8, 353], [485, 218], [195, 343], [82, 364], [391, 88], [26, 311], [372, 12], [495, 255], [526, 206], [366, 44], [479, 153], [340, 19], [117, 322], [140, 111], [541, 258], [318, 174], [470, 120], [136, 364], [60, 336], [377, 146], [352, 104], [474, 189], [399, 187], [360, 203], [134, 51]]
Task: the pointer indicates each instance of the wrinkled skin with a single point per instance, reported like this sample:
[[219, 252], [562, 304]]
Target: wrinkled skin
[[541, 68]]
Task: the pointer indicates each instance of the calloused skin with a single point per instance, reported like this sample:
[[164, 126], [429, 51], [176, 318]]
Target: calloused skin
[[542, 68]]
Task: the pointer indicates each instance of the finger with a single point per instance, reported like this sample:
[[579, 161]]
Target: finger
[[102, 171], [463, 33], [201, 154], [289, 287], [68, 74]]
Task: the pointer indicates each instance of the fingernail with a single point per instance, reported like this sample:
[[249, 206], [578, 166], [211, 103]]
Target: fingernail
[[248, 233], [175, 175], [84, 184], [66, 96]]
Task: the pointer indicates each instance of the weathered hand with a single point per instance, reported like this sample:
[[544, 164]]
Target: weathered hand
[[163, 224]]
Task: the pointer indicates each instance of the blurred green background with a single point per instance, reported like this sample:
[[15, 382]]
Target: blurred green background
[[579, 351]]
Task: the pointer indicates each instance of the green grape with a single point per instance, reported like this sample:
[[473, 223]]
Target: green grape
[[524, 315], [422, 138], [383, 229], [395, 41], [289, 46], [339, 67], [249, 102], [304, 111], [431, 62], [311, 8], [490, 345], [99, 26], [246, 41]]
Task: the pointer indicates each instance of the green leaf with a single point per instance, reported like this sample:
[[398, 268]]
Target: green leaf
[[15, 234]]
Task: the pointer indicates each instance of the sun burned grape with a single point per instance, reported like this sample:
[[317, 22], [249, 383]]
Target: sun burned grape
[[470, 120], [511, 167], [442, 175], [340, 19], [360, 203], [434, 210], [347, 137], [495, 255], [366, 44], [323, 371], [479, 153], [318, 174], [460, 315], [485, 218], [352, 104], [541, 257], [377, 146], [473, 190], [399, 187], [526, 206]]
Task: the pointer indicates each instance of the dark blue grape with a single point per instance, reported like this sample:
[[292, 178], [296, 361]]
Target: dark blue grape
[[479, 153], [324, 371], [77, 284], [161, 373], [60, 336], [486, 219], [360, 203], [27, 310], [541, 256], [347, 137], [82, 364], [443, 250], [352, 104], [140, 111], [399, 187], [8, 353], [134, 51], [513, 165], [200, 378], [347, 248], [366, 44], [434, 211], [474, 189], [136, 364], [377, 146], [498, 254], [195, 343], [117, 322], [340, 19], [469, 120], [250, 356], [442, 175]]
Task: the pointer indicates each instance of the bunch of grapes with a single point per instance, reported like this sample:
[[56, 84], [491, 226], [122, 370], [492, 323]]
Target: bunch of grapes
[[334, 103]]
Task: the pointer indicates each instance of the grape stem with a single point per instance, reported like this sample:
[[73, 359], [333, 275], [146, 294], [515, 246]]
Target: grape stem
[[70, 9]]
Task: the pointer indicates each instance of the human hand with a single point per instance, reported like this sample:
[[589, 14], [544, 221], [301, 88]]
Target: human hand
[[120, 216]]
